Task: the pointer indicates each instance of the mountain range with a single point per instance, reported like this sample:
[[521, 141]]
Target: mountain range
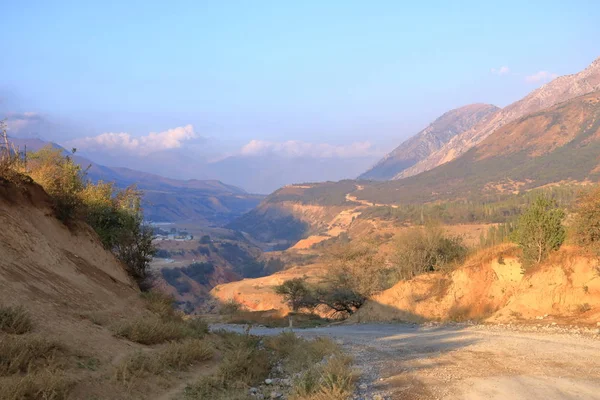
[[550, 137], [429, 140], [459, 130]]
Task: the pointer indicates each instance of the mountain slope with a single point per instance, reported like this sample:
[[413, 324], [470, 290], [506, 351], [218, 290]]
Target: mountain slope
[[559, 144], [560, 89], [429, 140]]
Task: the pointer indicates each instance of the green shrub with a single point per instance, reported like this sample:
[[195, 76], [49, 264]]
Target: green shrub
[[15, 320], [540, 230], [586, 227], [295, 292]]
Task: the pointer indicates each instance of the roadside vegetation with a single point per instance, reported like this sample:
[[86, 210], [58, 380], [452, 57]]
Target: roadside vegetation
[[540, 231], [276, 366], [357, 271], [31, 366], [115, 214], [499, 208]]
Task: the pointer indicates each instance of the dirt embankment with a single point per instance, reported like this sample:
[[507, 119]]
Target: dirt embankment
[[493, 287], [258, 294], [75, 292]]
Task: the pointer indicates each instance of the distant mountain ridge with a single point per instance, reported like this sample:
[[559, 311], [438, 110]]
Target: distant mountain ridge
[[429, 140], [558, 144], [208, 202], [558, 90], [554, 146]]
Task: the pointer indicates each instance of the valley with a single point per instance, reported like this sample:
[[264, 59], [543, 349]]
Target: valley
[[300, 201]]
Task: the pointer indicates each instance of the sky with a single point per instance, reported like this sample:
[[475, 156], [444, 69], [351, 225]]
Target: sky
[[338, 79]]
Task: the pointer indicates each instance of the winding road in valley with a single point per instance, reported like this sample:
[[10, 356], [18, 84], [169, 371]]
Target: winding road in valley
[[399, 361]]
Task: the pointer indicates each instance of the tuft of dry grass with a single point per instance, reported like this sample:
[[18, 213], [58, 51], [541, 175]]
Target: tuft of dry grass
[[245, 362], [180, 355], [27, 354], [298, 354], [214, 388], [322, 371], [331, 380], [176, 356], [154, 330], [15, 320], [47, 385], [160, 304], [266, 318]]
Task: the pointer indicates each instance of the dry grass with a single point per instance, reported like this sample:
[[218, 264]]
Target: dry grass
[[244, 364], [46, 385], [154, 330], [323, 373], [162, 324], [176, 356], [27, 354], [15, 320], [297, 354], [331, 380], [159, 304], [488, 254], [268, 319]]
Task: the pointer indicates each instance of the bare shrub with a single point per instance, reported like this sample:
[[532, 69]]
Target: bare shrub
[[160, 304], [230, 307], [427, 249]]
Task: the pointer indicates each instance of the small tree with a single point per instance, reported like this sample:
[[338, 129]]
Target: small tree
[[540, 230], [342, 300], [295, 292], [586, 228]]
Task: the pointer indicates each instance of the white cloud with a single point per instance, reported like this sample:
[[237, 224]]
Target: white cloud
[[295, 148], [504, 70], [541, 76], [19, 122], [143, 145]]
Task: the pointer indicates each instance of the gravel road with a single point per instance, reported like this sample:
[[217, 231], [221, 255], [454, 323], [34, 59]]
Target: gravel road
[[399, 361]]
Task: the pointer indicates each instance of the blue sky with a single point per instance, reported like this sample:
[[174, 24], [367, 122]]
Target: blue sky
[[333, 72]]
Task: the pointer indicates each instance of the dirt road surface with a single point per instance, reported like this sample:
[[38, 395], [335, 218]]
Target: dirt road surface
[[465, 362]]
